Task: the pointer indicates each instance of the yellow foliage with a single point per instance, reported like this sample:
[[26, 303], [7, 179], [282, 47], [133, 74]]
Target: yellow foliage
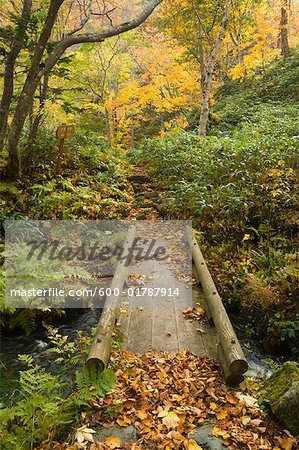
[[257, 47], [166, 85]]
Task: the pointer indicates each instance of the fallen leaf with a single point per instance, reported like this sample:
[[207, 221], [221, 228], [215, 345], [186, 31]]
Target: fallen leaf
[[231, 399], [222, 414], [84, 434], [121, 422], [218, 432], [97, 446], [192, 445], [171, 420], [142, 414], [247, 399], [287, 443], [113, 442], [246, 420], [79, 437], [256, 422]]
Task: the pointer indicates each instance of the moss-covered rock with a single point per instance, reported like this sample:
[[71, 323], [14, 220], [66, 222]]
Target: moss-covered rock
[[281, 393]]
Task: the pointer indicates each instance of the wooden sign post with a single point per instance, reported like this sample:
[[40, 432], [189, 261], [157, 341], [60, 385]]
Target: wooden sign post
[[63, 132]]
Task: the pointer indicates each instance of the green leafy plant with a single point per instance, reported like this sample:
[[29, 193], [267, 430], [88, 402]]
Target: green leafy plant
[[41, 408], [288, 330], [47, 404], [92, 385], [69, 353]]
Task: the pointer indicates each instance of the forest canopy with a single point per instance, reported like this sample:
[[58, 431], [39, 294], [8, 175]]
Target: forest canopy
[[161, 73]]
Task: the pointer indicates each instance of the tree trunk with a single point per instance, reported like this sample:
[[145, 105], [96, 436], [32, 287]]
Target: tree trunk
[[205, 104], [36, 71], [40, 113], [115, 123], [8, 86], [132, 129], [108, 130], [26, 97], [7, 95], [284, 23], [201, 57], [210, 68]]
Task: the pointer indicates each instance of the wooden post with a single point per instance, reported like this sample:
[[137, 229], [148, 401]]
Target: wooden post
[[62, 133], [60, 157], [231, 355], [101, 347]]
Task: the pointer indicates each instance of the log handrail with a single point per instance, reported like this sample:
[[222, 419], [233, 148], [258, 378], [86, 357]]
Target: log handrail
[[230, 353], [101, 346]]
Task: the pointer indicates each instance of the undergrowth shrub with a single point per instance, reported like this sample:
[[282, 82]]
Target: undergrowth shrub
[[92, 185], [46, 404], [241, 179], [238, 100], [40, 408]]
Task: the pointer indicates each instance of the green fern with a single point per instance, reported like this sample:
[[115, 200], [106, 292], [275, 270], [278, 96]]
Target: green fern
[[93, 384], [46, 404], [24, 318], [40, 409]]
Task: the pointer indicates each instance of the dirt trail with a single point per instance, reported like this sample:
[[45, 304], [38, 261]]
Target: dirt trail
[[148, 197]]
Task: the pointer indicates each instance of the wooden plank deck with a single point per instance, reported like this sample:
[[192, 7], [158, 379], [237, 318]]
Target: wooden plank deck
[[157, 323]]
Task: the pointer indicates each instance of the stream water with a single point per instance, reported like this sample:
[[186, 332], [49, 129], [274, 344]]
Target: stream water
[[36, 345]]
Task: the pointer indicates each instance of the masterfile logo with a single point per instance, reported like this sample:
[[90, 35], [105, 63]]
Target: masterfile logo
[[73, 263]]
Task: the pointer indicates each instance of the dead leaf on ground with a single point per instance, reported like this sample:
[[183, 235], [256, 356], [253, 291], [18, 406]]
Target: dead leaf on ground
[[192, 445], [84, 434], [170, 419], [112, 442], [167, 396]]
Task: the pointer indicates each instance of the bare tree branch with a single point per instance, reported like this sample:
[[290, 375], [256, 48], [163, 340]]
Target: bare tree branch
[[69, 41]]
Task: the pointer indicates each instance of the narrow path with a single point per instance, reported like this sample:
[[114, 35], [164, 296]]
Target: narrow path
[[154, 323], [148, 201]]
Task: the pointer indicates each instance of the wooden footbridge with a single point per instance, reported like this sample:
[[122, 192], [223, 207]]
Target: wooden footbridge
[[152, 311]]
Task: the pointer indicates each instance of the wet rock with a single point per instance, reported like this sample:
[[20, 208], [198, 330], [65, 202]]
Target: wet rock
[[281, 394], [205, 438], [125, 434]]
